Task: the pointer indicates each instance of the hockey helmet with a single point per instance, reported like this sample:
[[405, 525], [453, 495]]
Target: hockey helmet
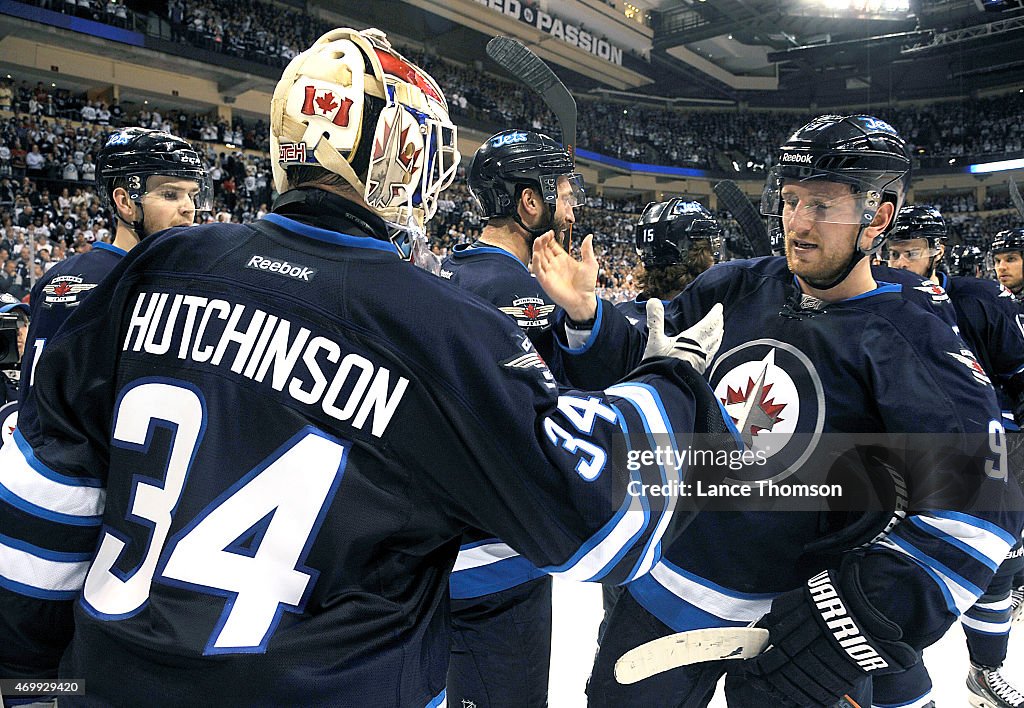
[[666, 230], [131, 155], [965, 260], [1008, 240], [918, 221], [354, 106], [859, 150], [514, 159]]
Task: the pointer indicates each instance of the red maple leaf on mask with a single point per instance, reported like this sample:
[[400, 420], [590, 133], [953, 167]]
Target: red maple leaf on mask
[[326, 103]]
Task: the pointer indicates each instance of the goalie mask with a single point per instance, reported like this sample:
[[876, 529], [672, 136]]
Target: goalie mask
[[860, 151], [131, 156], [352, 105], [512, 160], [666, 231]]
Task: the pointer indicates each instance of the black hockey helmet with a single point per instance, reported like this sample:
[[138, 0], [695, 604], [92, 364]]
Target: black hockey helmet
[[514, 159], [965, 260], [131, 155], [1008, 240], [918, 221], [865, 152], [666, 230]]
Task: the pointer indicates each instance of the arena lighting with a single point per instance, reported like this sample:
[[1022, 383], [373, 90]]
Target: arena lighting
[[880, 9], [996, 166]]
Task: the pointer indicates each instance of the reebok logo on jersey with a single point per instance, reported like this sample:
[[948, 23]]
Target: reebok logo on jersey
[[289, 270], [803, 158], [844, 630]]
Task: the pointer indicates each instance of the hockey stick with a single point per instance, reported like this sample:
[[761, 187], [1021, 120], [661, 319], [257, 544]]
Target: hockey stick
[[693, 647], [685, 648], [1016, 198], [514, 57], [751, 223]]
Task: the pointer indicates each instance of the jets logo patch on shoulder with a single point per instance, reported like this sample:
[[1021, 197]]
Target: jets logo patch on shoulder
[[966, 357], [932, 290], [774, 395], [65, 290], [530, 360], [529, 312]]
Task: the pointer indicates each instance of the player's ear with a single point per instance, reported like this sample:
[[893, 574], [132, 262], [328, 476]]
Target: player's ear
[[124, 204], [530, 200], [886, 212]]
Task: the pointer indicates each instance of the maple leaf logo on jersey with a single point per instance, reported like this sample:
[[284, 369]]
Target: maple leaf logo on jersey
[[750, 407], [8, 422], [933, 290], [64, 290], [966, 357], [529, 311]]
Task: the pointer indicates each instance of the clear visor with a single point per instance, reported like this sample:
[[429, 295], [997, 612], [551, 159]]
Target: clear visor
[[179, 193], [897, 252], [821, 198], [576, 196]]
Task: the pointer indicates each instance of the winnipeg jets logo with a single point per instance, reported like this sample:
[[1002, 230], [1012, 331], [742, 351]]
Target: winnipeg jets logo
[[392, 182], [529, 311], [751, 405], [932, 290], [8, 422], [773, 394], [750, 408], [966, 357], [64, 290]]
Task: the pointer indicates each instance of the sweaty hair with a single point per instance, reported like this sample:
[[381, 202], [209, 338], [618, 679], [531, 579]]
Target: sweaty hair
[[662, 281]]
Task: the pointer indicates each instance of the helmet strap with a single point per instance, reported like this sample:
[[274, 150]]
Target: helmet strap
[[857, 257], [539, 231]]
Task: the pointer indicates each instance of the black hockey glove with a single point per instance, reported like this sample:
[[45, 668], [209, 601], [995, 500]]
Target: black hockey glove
[[825, 638]]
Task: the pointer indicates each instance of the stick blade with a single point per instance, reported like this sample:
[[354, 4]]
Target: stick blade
[[517, 59], [1015, 197], [685, 648], [750, 220]]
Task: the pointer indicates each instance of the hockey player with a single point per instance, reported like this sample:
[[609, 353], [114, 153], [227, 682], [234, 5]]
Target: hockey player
[[150, 181], [525, 184], [812, 345], [255, 491], [987, 319], [1007, 250], [676, 241]]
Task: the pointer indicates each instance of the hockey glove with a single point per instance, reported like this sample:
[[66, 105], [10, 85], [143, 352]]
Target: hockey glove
[[825, 638], [696, 346]]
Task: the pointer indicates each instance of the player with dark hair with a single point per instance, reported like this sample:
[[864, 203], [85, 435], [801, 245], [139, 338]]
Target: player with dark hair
[[150, 181], [1007, 251], [255, 492], [987, 320], [526, 185], [814, 348], [676, 241]]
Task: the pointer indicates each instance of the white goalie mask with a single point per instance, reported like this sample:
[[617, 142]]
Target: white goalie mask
[[355, 107]]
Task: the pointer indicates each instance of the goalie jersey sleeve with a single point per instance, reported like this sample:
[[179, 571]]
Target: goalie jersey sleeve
[[258, 479]]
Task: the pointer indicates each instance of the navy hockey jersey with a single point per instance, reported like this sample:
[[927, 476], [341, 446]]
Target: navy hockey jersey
[[500, 278], [918, 290], [255, 491], [635, 311], [992, 324], [485, 564], [57, 294], [792, 371]]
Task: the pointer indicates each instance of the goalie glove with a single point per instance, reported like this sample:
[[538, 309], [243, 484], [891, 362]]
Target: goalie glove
[[824, 639], [696, 346]]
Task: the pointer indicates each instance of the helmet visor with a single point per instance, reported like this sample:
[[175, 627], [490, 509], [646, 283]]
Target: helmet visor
[[821, 197]]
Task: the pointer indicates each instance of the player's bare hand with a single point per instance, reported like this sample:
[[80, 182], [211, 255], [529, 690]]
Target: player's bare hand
[[569, 282]]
